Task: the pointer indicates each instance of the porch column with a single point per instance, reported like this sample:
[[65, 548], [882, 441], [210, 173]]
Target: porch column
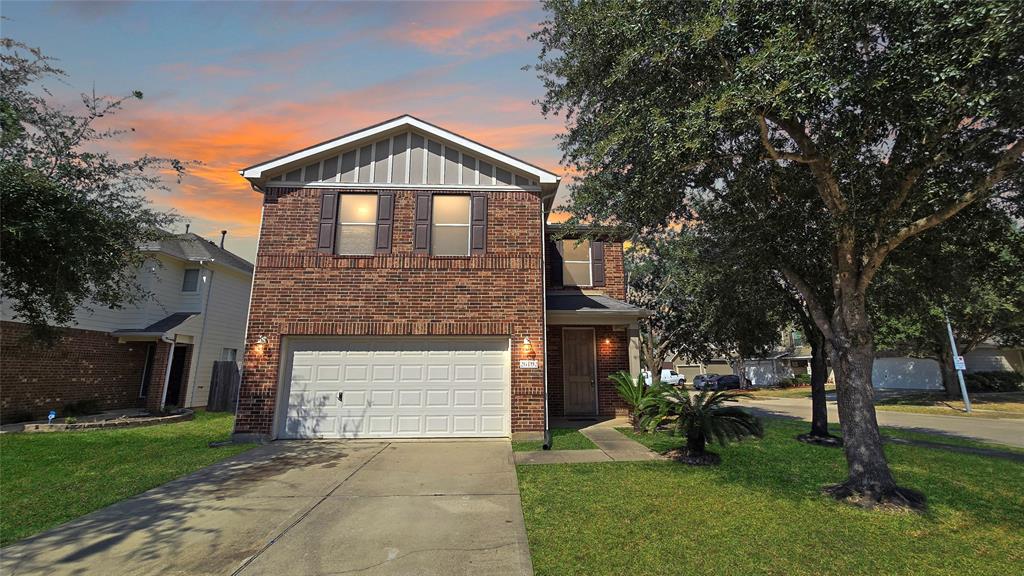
[[633, 333]]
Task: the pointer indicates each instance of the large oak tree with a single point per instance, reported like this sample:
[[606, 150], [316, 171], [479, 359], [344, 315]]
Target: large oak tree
[[897, 114]]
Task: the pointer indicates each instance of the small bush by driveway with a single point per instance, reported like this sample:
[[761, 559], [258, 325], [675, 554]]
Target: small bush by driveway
[[50, 478]]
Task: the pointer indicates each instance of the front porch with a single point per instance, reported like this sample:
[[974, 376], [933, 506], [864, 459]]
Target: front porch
[[589, 338]]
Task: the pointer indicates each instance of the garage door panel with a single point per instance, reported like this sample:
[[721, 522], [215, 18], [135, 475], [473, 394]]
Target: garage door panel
[[402, 387]]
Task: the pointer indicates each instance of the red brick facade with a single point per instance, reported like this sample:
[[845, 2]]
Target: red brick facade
[[81, 365], [615, 274], [612, 349], [297, 291]]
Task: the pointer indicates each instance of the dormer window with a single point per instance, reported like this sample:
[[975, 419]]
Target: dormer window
[[357, 224], [576, 263]]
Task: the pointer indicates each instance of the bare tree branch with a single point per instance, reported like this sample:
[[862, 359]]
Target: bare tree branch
[[827, 183]]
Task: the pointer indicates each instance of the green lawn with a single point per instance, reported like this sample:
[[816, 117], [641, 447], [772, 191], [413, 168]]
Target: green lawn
[[988, 405], [50, 478], [795, 392], [561, 439], [761, 512]]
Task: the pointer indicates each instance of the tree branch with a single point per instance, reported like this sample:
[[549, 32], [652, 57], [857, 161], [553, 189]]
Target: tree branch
[[813, 306], [982, 188], [828, 185], [773, 152]]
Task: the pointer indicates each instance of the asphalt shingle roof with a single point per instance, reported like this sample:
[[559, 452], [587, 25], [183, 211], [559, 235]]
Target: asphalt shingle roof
[[190, 246], [589, 303]]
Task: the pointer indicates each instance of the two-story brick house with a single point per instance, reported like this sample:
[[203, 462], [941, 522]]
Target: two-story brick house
[[406, 286]]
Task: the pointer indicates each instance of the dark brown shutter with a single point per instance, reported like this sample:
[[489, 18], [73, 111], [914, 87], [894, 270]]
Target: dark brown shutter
[[555, 260], [597, 262], [478, 222], [421, 223], [328, 219], [385, 221]]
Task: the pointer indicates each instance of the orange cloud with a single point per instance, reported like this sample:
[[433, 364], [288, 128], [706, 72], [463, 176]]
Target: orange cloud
[[464, 27]]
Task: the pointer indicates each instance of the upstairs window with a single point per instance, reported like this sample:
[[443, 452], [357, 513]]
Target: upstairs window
[[191, 281], [576, 269], [449, 226], [357, 224]]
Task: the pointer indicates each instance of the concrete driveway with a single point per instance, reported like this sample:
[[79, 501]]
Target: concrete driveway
[[307, 508]]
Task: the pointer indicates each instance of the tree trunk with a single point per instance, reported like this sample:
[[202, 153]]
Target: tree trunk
[[852, 350], [950, 382], [819, 374], [695, 443]]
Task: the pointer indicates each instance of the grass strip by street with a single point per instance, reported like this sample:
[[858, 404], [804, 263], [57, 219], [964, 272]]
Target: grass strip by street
[[795, 392], [561, 439], [50, 478], [986, 405], [762, 512]]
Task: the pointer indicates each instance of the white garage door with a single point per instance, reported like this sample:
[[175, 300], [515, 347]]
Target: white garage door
[[396, 387]]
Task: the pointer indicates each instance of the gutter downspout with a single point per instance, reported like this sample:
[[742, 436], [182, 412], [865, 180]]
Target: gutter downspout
[[544, 323]]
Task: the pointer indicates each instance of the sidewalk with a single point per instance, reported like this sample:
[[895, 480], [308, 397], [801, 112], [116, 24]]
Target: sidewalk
[[612, 446]]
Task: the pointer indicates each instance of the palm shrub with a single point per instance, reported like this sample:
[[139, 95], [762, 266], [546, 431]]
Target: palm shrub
[[704, 418], [641, 398]]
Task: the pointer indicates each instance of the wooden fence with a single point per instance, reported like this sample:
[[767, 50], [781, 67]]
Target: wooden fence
[[223, 387]]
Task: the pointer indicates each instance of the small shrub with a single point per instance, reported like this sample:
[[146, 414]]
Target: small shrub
[[1001, 381], [82, 407], [641, 398], [704, 418], [19, 416], [71, 420]]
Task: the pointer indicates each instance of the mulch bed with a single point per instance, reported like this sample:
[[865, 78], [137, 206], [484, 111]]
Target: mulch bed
[[702, 459]]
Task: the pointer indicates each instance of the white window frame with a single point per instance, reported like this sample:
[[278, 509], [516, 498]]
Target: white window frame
[[589, 261], [468, 225], [184, 278], [338, 224]]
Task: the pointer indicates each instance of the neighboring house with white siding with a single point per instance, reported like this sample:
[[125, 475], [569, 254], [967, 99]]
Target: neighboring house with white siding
[[156, 353]]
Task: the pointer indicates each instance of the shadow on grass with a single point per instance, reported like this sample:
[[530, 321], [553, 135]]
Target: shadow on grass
[[781, 467], [152, 529]]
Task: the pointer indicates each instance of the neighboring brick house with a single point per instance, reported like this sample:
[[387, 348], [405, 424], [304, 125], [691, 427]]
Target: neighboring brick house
[[400, 292], [156, 353]]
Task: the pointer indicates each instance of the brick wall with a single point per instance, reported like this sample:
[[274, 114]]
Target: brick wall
[[297, 291], [615, 275], [81, 365], [612, 356]]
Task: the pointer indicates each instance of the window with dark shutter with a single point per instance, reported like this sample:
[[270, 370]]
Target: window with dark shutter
[[421, 223], [385, 221], [328, 217], [555, 259], [597, 262], [478, 221]]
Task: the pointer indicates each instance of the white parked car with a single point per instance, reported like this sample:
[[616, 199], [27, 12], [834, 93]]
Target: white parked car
[[670, 377]]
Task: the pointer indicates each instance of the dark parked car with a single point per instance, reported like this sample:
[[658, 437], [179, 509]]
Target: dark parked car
[[701, 379], [730, 382]]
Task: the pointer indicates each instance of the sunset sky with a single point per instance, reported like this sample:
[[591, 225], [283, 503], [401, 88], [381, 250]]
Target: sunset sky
[[234, 83]]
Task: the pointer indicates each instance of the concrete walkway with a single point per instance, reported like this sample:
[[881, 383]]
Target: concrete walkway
[[1000, 431], [612, 446], [321, 507]]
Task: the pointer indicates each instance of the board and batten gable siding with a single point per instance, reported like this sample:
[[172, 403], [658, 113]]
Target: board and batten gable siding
[[404, 159]]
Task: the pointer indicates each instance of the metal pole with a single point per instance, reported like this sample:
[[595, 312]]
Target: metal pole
[[959, 372]]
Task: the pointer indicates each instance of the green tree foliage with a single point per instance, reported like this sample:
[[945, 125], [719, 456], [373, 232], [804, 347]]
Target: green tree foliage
[[73, 217], [973, 270], [706, 302], [898, 115]]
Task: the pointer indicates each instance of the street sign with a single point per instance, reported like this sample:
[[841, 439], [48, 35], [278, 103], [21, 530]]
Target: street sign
[[958, 363]]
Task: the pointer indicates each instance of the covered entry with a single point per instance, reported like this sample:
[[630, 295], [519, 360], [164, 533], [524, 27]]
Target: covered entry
[[405, 387]]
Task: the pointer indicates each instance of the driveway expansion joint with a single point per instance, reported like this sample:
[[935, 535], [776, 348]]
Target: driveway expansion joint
[[305, 514]]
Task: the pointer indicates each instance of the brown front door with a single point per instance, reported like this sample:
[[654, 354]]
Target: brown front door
[[580, 392]]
